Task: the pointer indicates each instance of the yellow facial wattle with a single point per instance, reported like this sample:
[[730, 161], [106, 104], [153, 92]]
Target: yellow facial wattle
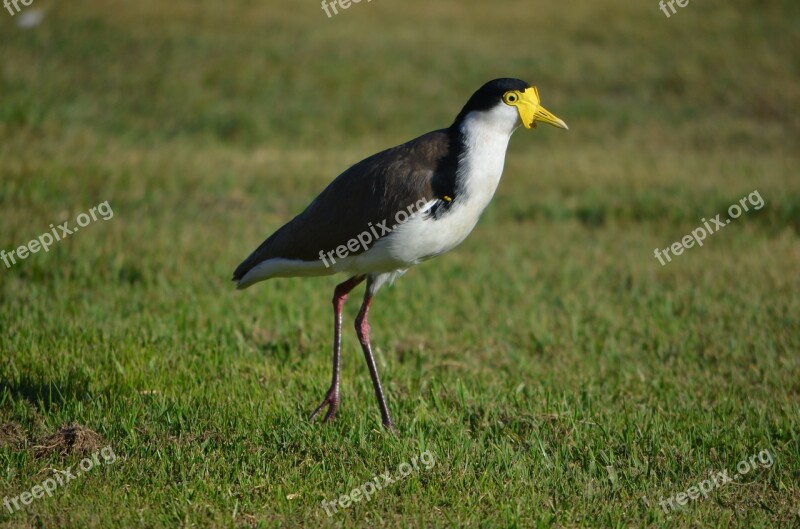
[[530, 109]]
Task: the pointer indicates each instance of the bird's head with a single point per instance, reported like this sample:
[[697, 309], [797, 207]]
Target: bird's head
[[509, 102]]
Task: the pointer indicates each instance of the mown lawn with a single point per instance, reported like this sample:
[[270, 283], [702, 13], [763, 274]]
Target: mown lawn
[[552, 370]]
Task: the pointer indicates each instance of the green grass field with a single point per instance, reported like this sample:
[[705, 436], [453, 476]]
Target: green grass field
[[558, 375]]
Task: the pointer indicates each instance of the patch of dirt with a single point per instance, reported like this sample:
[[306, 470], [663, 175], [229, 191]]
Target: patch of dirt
[[12, 434], [70, 439]]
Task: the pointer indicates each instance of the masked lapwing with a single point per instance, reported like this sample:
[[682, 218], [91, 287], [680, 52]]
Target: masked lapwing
[[398, 208]]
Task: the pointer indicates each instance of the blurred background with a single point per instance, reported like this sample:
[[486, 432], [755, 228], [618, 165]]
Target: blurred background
[[206, 125]]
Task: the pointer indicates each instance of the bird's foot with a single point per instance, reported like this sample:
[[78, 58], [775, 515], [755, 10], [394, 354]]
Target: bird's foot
[[332, 402], [391, 428]]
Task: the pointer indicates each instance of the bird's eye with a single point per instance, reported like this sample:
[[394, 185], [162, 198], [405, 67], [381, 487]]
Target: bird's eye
[[510, 98]]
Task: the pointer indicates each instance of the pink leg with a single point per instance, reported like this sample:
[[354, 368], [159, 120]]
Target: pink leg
[[339, 297], [363, 329]]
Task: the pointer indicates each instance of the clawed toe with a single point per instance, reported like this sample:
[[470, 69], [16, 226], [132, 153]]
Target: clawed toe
[[332, 402]]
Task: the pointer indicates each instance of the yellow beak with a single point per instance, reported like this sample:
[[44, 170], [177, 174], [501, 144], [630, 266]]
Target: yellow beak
[[530, 110]]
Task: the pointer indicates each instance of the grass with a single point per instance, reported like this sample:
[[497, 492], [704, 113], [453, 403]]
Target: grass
[[558, 374]]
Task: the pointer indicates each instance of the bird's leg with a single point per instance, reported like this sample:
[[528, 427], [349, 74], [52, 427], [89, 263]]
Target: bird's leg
[[362, 329], [339, 297]]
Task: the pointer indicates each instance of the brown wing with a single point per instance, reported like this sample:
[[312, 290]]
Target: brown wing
[[372, 191]]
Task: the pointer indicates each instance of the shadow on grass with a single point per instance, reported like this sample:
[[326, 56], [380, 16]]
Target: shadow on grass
[[45, 395]]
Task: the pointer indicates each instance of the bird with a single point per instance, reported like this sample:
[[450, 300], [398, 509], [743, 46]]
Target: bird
[[396, 209]]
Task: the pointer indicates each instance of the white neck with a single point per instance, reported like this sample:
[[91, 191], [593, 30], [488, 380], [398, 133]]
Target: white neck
[[486, 136]]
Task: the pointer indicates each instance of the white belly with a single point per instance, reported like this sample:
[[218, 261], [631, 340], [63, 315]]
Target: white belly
[[424, 237]]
